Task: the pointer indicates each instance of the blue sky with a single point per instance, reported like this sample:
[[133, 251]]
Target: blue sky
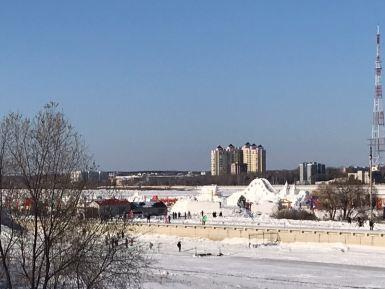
[[157, 84]]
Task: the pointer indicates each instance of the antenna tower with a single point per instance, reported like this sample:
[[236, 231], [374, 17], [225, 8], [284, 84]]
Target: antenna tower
[[377, 142]]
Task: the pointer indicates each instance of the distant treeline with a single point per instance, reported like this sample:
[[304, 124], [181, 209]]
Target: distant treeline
[[275, 177]]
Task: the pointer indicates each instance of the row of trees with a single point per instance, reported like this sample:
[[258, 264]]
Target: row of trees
[[50, 247]]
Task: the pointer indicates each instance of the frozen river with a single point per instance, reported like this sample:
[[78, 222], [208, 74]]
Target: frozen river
[[282, 266]]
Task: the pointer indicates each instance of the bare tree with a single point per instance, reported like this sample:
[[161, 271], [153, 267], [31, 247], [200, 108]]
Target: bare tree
[[55, 248], [327, 199], [6, 237], [344, 196]]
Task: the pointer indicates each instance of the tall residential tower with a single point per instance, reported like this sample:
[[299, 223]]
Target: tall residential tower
[[233, 160]]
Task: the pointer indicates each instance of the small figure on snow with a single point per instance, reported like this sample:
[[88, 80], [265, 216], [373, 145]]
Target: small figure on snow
[[371, 224], [349, 220], [204, 220], [360, 222], [179, 245]]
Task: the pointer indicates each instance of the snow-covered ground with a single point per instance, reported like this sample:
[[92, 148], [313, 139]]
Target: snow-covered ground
[[285, 266]]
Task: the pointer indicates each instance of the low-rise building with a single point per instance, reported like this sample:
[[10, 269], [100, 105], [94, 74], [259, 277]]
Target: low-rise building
[[107, 208], [148, 209], [89, 176], [362, 176]]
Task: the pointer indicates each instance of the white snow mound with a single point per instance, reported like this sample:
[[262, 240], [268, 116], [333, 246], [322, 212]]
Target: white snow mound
[[195, 207], [264, 198]]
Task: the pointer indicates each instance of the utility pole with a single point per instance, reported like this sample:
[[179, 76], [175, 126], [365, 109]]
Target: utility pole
[[370, 183]]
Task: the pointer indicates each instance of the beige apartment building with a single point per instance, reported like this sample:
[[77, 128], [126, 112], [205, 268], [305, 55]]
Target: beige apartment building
[[233, 160], [254, 157], [219, 161]]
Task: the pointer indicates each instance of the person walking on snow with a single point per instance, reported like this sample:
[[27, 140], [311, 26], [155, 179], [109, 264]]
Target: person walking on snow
[[371, 225], [179, 245], [204, 219]]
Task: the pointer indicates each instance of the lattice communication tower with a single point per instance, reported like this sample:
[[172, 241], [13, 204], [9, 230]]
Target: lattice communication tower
[[377, 142]]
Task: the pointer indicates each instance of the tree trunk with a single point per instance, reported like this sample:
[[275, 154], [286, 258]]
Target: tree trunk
[[5, 267]]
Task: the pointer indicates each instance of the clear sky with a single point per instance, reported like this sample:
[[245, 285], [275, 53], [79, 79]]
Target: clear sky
[[157, 84]]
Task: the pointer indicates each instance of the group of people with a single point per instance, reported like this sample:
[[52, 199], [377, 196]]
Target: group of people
[[178, 215], [113, 241], [361, 221], [187, 215], [204, 217], [213, 213]]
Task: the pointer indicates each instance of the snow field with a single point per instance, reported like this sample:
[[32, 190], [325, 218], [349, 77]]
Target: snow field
[[298, 265]]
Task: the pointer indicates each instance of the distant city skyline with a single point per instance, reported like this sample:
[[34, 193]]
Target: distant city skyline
[[155, 85], [237, 160]]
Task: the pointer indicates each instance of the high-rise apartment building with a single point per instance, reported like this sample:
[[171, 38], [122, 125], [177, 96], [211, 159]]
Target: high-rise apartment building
[[233, 160], [219, 162], [261, 159], [309, 173], [246, 151], [254, 157], [232, 153]]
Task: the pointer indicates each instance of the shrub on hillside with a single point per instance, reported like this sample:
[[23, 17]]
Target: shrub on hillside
[[294, 214]]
